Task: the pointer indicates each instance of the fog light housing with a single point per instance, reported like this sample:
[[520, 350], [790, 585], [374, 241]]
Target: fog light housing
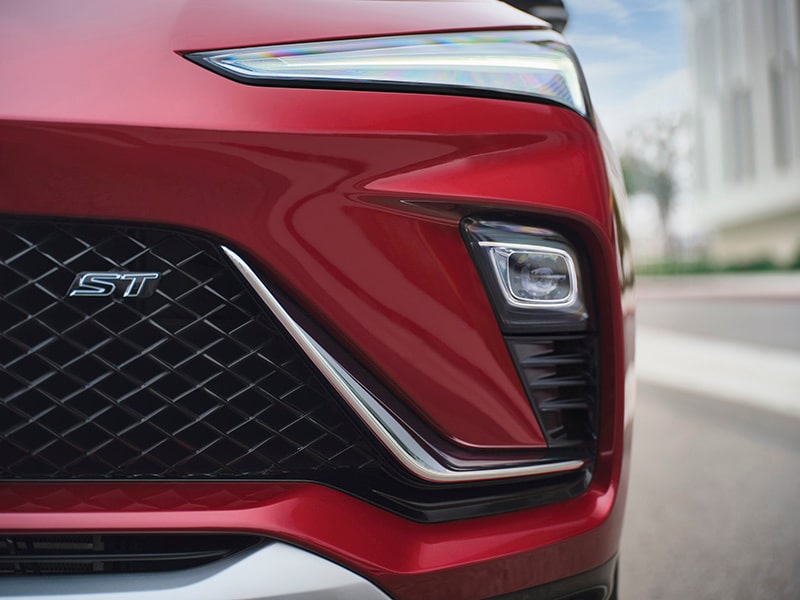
[[531, 274], [534, 281]]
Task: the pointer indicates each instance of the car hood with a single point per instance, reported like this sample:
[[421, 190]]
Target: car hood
[[207, 24], [75, 61]]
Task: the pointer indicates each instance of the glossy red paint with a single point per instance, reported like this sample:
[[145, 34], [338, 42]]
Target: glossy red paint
[[316, 206], [351, 201], [469, 559], [93, 61]]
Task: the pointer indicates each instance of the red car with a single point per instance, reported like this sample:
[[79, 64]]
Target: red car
[[309, 299]]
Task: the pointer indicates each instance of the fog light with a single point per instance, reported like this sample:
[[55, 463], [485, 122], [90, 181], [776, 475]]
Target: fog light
[[531, 275]]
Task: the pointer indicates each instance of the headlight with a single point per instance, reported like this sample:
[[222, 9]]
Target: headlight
[[519, 63]]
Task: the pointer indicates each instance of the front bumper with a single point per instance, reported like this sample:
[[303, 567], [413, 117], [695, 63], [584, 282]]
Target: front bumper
[[313, 195], [475, 558], [276, 571]]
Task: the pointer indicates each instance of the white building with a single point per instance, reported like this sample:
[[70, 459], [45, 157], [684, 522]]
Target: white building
[[744, 57]]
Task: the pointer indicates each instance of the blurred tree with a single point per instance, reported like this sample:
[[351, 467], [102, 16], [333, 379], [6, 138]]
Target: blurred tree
[[649, 159]]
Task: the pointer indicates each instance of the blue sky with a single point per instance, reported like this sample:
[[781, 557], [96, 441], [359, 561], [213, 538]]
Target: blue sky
[[634, 55]]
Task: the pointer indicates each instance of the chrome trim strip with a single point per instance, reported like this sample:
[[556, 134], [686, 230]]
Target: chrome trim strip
[[274, 572], [412, 455]]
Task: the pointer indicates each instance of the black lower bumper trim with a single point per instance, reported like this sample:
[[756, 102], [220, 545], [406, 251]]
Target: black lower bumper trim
[[597, 584]]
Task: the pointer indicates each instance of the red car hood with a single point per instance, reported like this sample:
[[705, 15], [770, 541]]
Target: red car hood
[[47, 45]]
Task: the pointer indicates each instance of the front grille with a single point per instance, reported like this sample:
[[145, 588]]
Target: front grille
[[194, 381], [115, 553], [558, 373]]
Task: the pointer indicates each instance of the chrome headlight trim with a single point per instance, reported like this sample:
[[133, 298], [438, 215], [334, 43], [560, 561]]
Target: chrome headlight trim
[[391, 433]]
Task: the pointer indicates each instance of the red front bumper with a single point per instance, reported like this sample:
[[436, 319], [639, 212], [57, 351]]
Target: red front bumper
[[351, 201]]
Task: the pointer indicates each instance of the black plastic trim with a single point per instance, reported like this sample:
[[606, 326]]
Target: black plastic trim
[[597, 584], [93, 553]]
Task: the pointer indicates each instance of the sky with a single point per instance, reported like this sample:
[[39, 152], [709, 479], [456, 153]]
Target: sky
[[633, 54]]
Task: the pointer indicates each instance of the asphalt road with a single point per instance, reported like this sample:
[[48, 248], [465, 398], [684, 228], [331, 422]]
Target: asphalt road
[[714, 500]]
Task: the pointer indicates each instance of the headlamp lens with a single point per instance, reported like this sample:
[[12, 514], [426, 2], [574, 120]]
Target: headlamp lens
[[529, 63]]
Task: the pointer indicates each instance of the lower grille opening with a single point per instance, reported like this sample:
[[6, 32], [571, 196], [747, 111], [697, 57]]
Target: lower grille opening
[[71, 554], [195, 379]]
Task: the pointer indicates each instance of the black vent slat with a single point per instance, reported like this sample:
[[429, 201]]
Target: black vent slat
[[569, 359], [559, 374], [108, 557], [557, 405], [65, 554], [552, 382], [196, 380]]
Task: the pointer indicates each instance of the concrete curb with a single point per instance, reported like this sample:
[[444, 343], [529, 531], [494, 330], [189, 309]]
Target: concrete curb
[[744, 286], [766, 378]]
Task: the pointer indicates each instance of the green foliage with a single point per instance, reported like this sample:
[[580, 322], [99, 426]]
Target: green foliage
[[637, 173], [796, 262], [703, 266]]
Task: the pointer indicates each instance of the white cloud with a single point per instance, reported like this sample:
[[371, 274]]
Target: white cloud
[[607, 77], [585, 43], [631, 53], [620, 110], [668, 6], [614, 9]]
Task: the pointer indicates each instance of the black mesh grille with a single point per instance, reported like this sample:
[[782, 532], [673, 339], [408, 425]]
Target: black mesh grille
[[559, 376], [194, 381], [114, 553]]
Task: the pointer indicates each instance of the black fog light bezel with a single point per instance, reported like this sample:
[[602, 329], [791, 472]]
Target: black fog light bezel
[[553, 345], [483, 234]]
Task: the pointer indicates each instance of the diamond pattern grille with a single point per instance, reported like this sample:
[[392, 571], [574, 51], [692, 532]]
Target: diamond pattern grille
[[195, 381]]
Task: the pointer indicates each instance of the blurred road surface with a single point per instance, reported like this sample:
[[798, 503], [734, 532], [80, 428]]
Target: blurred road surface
[[714, 501], [763, 310]]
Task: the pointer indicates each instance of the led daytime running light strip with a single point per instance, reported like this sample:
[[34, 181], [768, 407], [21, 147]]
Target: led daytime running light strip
[[531, 63]]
